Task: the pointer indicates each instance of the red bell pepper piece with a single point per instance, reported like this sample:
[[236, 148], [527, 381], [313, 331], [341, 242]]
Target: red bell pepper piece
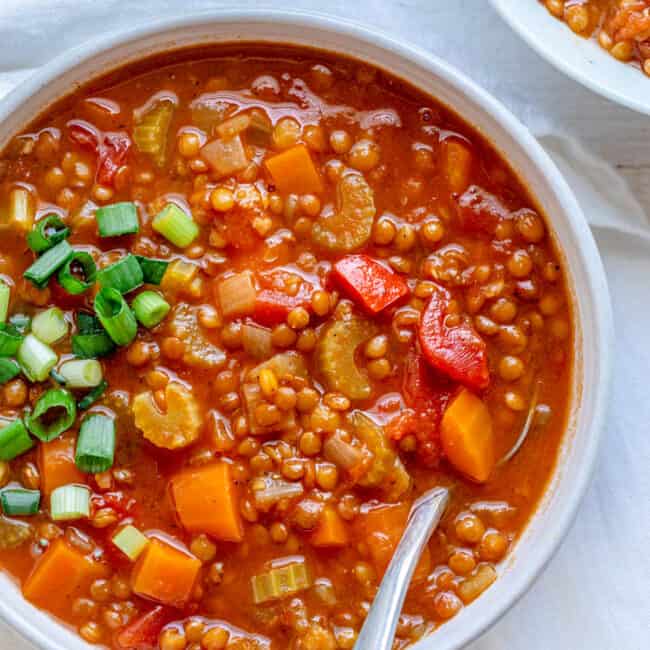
[[111, 148], [369, 283], [143, 633], [480, 210], [455, 350]]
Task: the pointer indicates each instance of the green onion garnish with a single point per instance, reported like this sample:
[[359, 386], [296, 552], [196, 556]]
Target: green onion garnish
[[8, 370], [81, 373], [20, 322], [130, 541], [92, 346], [88, 324], [54, 413], [5, 295], [18, 501], [35, 358], [14, 440], [116, 316], [78, 273], [10, 340], [152, 269], [92, 396], [175, 225], [48, 232], [117, 219], [50, 326], [58, 378], [150, 308], [70, 502], [125, 275], [48, 264], [96, 444]]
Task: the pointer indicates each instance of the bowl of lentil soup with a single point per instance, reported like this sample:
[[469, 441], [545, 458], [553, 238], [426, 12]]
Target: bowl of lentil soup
[[260, 296], [602, 44]]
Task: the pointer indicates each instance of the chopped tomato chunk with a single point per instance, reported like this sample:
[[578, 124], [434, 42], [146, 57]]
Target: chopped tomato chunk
[[111, 148], [456, 350], [142, 634], [273, 304], [369, 283], [480, 210]]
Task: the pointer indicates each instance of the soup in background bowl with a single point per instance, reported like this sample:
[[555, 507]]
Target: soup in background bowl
[[258, 299]]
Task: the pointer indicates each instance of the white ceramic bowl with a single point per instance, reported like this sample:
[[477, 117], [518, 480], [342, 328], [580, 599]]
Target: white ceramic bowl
[[582, 59], [585, 271]]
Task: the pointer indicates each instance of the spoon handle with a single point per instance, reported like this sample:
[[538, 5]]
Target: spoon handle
[[378, 631]]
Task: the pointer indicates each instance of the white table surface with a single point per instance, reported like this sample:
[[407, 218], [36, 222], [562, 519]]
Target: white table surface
[[595, 594]]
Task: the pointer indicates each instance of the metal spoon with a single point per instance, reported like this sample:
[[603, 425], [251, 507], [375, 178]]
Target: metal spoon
[[378, 631]]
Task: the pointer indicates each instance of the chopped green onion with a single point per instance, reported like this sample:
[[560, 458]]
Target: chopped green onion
[[150, 308], [18, 501], [50, 326], [8, 370], [116, 316], [5, 295], [92, 396], [48, 232], [125, 275], [130, 541], [92, 346], [117, 219], [14, 440], [96, 444], [78, 273], [70, 502], [152, 269], [175, 225], [36, 358], [58, 378], [54, 413], [88, 324], [20, 322], [10, 340], [81, 373], [48, 264]]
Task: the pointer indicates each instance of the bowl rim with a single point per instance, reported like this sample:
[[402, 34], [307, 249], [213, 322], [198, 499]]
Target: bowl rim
[[586, 248], [571, 68]]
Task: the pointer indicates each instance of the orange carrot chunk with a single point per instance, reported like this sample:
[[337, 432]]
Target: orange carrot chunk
[[56, 464], [331, 530], [294, 171], [165, 574], [207, 501], [382, 528], [61, 574], [466, 436]]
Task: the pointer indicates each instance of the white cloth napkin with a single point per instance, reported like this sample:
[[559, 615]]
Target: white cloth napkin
[[595, 594]]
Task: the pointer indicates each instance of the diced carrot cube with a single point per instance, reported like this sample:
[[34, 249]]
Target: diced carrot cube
[[61, 574], [207, 501], [466, 436], [331, 529], [382, 528], [165, 574], [294, 171], [56, 464]]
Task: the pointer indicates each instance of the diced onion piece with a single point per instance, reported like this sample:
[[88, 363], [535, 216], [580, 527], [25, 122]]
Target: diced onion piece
[[237, 294], [281, 581], [130, 541], [225, 157], [346, 456], [267, 491], [82, 373], [50, 326], [14, 533], [256, 341], [285, 365], [36, 358], [22, 209], [175, 225], [70, 502]]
